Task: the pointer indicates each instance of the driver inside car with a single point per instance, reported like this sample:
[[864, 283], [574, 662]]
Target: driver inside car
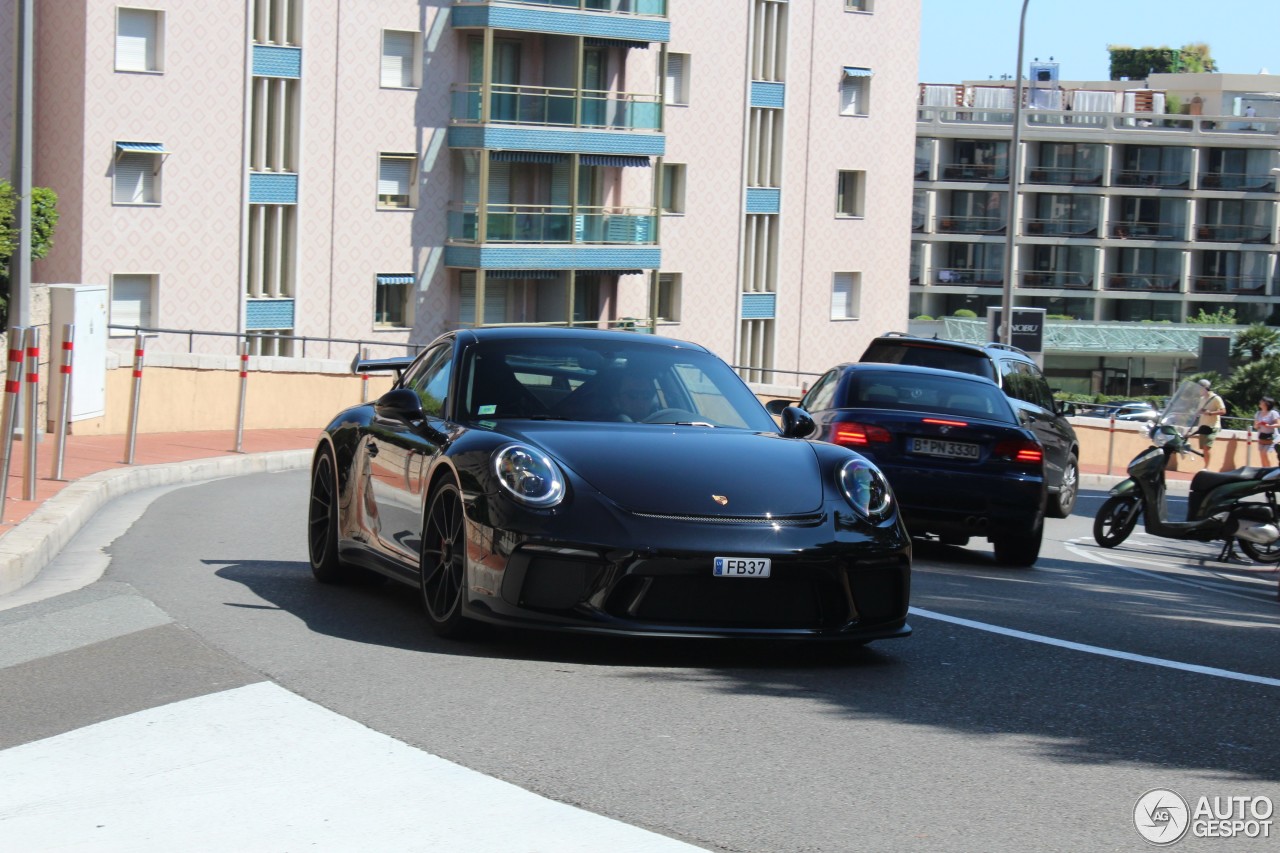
[[635, 398]]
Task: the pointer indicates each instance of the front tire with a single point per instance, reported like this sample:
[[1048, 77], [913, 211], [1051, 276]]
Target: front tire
[[1061, 503], [1020, 549], [442, 569], [1115, 521]]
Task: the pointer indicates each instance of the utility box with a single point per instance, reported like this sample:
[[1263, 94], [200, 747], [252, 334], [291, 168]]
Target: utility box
[[85, 307]]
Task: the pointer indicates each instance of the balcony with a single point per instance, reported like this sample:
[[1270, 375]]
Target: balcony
[[1152, 178], [970, 276], [546, 106], [1237, 284], [970, 225], [646, 8], [1233, 233], [988, 172], [1061, 227], [1071, 177], [1143, 282], [555, 224], [1058, 280], [1260, 182], [1148, 230]]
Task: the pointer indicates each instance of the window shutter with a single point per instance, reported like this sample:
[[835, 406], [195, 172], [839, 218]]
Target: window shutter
[[499, 182], [495, 300], [135, 40], [131, 300], [676, 93], [397, 59], [560, 183], [393, 176], [849, 95], [842, 296], [134, 178]]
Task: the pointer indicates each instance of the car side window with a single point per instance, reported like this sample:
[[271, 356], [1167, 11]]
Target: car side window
[[1039, 386], [821, 394], [431, 380], [1024, 382]]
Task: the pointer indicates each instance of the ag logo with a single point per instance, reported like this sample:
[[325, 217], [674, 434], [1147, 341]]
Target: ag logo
[[1161, 817]]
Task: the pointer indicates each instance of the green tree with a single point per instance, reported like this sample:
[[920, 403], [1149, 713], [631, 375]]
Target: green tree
[[1250, 383], [44, 221], [1137, 63], [1221, 317], [1254, 343]]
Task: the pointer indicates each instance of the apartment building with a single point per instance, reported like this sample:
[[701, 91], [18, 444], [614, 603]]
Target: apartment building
[[1137, 201], [733, 172]]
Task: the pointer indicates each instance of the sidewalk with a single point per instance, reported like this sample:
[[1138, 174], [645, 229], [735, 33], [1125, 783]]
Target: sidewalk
[[94, 472]]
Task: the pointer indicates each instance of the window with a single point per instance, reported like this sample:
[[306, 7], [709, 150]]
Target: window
[[859, 5], [855, 91], [429, 379], [673, 187], [823, 392], [392, 305], [396, 174], [132, 301], [669, 296], [139, 40], [846, 296], [400, 64], [850, 193], [677, 81], [136, 173]]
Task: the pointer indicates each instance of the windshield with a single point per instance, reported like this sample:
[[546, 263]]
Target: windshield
[[579, 379], [1183, 411]]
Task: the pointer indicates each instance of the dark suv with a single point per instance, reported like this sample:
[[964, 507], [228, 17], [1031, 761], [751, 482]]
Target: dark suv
[[1023, 383]]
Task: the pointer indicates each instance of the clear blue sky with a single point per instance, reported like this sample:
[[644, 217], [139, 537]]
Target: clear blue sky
[[978, 39]]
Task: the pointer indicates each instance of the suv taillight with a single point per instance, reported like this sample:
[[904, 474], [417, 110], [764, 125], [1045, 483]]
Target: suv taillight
[[850, 434]]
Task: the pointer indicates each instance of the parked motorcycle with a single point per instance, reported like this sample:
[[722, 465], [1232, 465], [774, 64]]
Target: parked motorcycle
[[1232, 506]]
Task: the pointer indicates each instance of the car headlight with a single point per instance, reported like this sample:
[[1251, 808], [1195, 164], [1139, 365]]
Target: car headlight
[[529, 476], [865, 488]]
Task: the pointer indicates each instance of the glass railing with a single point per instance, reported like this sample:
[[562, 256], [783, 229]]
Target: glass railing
[[1148, 230], [1234, 233], [1149, 282], [1067, 176], [1055, 227], [1230, 284], [646, 8], [1151, 178], [1058, 280], [974, 276], [549, 223], [546, 106], [974, 172], [1237, 181], [970, 224]]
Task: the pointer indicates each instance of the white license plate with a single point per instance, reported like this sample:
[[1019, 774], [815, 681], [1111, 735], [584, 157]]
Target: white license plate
[[940, 447], [742, 567]]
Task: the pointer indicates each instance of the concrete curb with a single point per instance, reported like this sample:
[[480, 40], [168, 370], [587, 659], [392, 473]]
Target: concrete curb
[[1106, 481], [31, 545]]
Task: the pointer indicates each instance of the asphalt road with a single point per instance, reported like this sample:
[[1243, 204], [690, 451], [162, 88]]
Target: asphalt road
[[1029, 711]]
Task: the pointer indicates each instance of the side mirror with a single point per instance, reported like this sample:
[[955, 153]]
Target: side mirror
[[796, 422], [775, 407], [400, 404]]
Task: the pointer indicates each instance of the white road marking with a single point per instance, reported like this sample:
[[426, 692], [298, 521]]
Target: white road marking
[[259, 768], [1098, 650], [1073, 546]]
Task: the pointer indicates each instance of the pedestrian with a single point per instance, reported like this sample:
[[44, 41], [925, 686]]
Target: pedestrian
[[1265, 422], [1210, 416]]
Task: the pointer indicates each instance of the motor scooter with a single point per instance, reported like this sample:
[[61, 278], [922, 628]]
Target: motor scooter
[[1218, 506]]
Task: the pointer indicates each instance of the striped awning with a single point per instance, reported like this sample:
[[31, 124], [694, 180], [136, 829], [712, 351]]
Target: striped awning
[[852, 71], [599, 273], [612, 160], [542, 275], [141, 147], [595, 41], [527, 157], [395, 278]]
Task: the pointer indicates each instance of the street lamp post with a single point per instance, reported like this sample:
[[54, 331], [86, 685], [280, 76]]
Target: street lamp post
[[1015, 169]]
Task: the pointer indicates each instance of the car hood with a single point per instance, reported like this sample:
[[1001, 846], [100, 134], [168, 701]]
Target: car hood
[[680, 470]]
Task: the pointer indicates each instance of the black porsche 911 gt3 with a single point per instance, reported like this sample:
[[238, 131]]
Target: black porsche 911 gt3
[[604, 482]]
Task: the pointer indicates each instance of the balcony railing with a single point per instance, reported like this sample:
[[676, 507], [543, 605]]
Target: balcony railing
[[1242, 284], [1061, 227], [972, 276], [971, 224], [554, 107], [1149, 282], [552, 223], [1068, 176], [1149, 230], [1237, 181], [975, 172], [1234, 233], [1058, 280], [1151, 178], [646, 8]]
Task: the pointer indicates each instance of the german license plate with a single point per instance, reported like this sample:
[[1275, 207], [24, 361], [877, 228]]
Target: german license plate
[[941, 447], [742, 567]]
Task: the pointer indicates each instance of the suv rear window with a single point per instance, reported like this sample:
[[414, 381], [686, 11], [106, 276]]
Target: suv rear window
[[923, 354]]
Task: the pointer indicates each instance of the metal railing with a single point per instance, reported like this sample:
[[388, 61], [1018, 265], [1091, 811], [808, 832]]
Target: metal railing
[[554, 223], [557, 107], [643, 8], [248, 337]]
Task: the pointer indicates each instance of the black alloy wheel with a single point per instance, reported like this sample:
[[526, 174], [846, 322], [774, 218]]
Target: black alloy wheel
[[322, 523], [442, 568], [1115, 520], [1061, 503]]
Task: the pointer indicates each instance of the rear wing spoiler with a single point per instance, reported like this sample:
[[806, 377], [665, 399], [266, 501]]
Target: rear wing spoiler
[[382, 365]]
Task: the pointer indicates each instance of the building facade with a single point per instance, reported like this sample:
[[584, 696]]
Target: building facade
[[733, 172], [1132, 204]]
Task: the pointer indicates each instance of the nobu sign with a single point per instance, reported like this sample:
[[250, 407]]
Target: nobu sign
[[1028, 328]]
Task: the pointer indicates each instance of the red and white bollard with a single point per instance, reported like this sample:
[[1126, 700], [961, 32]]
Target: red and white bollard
[[364, 377], [12, 400], [31, 431], [244, 388], [64, 408], [139, 353]]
